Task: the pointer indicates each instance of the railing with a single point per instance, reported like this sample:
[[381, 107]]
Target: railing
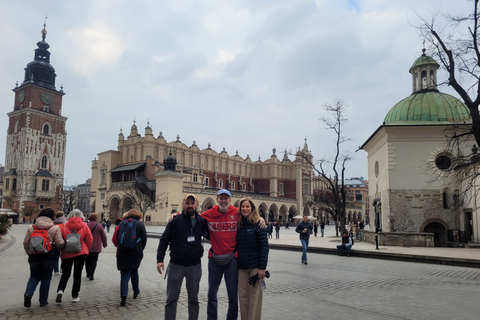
[[122, 185]]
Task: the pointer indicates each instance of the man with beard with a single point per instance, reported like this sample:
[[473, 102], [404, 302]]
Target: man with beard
[[183, 234]]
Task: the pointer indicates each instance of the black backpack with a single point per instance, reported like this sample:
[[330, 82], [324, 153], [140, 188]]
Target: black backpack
[[127, 235]]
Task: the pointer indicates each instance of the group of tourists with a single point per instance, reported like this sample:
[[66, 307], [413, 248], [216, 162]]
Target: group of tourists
[[238, 253], [78, 243]]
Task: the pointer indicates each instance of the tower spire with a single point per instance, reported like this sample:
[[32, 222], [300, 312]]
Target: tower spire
[[44, 31]]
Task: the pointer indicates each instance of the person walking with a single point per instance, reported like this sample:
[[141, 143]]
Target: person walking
[[305, 230], [129, 259], [315, 228], [108, 223], [270, 230], [277, 229], [75, 224], [322, 228], [99, 240], [184, 236], [42, 263], [252, 246]]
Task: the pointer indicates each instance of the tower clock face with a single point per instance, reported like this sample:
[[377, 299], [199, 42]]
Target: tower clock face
[[21, 96], [46, 97]]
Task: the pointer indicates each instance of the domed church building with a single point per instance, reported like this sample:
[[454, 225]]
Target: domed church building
[[414, 184]]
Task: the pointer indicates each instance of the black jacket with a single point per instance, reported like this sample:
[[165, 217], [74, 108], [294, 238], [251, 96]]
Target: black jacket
[[183, 252], [130, 260], [252, 246]]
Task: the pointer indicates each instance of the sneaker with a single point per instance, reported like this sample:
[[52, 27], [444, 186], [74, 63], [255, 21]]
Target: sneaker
[[76, 299], [135, 294], [123, 302], [27, 301], [59, 296], [90, 277], [43, 304]]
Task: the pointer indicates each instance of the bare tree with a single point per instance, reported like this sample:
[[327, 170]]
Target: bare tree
[[28, 211], [453, 40], [332, 199], [69, 198], [143, 199]]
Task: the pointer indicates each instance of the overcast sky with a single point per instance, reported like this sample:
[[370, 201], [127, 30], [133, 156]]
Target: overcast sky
[[246, 75]]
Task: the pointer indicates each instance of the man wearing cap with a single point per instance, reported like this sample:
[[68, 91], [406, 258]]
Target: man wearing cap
[[183, 234], [222, 256], [222, 225]]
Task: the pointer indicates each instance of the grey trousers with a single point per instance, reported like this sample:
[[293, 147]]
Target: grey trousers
[[175, 277]]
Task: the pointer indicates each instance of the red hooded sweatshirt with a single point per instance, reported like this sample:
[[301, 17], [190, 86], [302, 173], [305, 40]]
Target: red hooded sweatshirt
[[77, 224], [223, 230]]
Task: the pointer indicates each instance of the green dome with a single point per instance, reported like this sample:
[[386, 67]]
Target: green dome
[[423, 60], [430, 107]]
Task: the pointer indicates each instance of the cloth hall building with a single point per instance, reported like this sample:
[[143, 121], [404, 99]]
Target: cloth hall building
[[166, 171]]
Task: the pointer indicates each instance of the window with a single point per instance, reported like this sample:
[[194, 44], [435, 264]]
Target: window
[[443, 162], [14, 184], [280, 189], [46, 109], [207, 182], [358, 195], [232, 187], [306, 186], [17, 127], [46, 129], [102, 196], [45, 185], [195, 177], [44, 164], [244, 186], [148, 218], [220, 183], [7, 183], [41, 207]]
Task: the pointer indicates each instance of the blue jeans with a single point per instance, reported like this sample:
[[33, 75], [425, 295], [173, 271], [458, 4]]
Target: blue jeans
[[40, 271], [347, 247], [215, 273], [305, 247], [322, 231], [175, 276], [125, 276]]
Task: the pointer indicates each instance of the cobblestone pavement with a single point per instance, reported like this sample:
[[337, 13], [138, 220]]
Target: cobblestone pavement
[[329, 287]]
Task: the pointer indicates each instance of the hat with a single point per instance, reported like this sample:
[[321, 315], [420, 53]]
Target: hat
[[224, 191], [190, 195]]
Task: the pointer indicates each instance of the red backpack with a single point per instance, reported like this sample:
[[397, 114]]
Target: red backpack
[[39, 241]]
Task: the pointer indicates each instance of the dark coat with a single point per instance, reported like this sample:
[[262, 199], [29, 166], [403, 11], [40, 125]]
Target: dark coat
[[183, 252], [301, 226], [130, 260], [252, 246]]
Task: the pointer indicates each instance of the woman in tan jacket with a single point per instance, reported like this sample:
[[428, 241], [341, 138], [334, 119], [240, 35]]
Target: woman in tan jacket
[[42, 263]]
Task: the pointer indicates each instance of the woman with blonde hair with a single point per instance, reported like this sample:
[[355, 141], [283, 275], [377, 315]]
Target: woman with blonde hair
[[130, 238], [252, 247], [73, 258]]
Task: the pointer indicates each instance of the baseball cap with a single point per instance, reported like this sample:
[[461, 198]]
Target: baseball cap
[[190, 195], [224, 191]]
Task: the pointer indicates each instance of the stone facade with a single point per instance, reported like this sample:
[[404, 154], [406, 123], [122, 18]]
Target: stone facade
[[280, 188]]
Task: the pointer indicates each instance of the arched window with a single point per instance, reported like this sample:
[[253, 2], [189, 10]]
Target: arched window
[[17, 127], [44, 164], [424, 79], [46, 129]]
